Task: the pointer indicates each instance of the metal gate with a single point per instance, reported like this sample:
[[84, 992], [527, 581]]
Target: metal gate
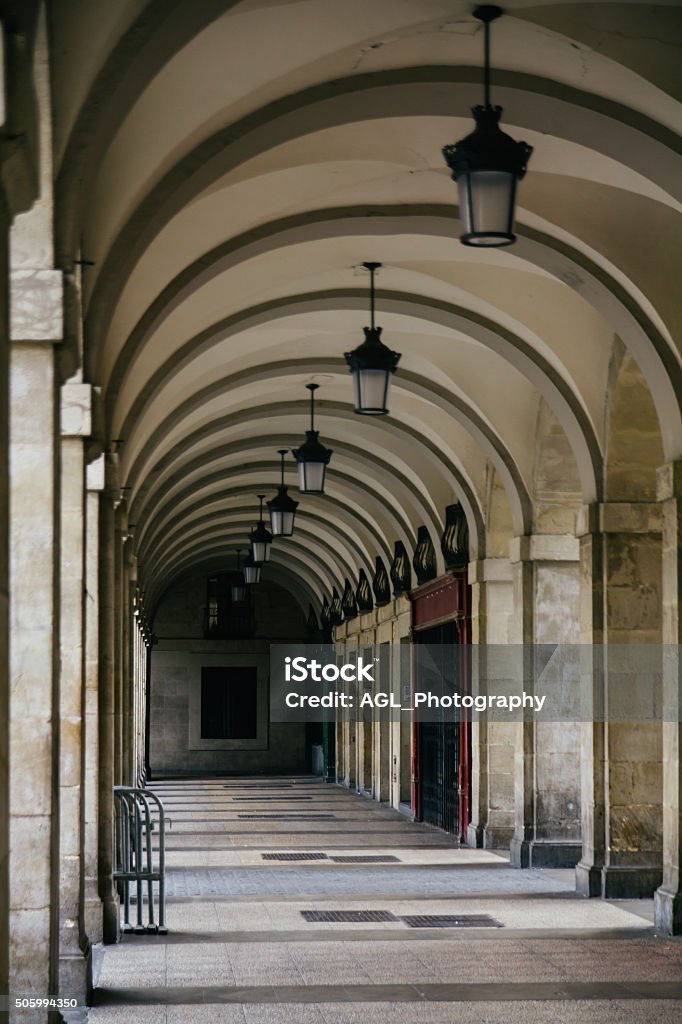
[[139, 813], [439, 749]]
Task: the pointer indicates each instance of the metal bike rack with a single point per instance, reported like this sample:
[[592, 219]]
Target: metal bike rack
[[139, 813]]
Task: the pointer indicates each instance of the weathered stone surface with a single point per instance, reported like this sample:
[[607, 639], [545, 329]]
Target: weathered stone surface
[[36, 305], [76, 410]]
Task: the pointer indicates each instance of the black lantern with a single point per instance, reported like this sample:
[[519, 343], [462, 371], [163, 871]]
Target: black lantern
[[239, 589], [252, 570], [261, 538], [312, 457], [487, 165], [372, 364], [282, 507]]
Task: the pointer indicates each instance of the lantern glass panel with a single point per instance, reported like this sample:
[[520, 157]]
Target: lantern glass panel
[[252, 573], [311, 477], [371, 391], [238, 592], [486, 202], [260, 550], [282, 523]]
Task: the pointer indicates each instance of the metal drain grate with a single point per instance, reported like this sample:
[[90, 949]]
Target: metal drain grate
[[347, 916], [294, 856], [264, 799], [450, 921], [286, 817], [258, 785], [369, 859]]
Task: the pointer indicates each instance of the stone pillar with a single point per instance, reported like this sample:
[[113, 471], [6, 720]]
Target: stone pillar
[[34, 706], [668, 900], [523, 635], [92, 905], [479, 729], [106, 702], [75, 426], [592, 733], [622, 769], [492, 751], [120, 533], [4, 609]]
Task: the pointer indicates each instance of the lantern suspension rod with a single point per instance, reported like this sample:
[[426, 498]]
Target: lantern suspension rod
[[487, 13], [372, 267], [312, 388], [260, 498], [282, 452]]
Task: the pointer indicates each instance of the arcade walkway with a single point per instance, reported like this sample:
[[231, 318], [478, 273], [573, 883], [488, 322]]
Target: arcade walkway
[[242, 949]]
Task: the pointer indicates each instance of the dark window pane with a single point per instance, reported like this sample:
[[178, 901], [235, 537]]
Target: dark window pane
[[229, 703]]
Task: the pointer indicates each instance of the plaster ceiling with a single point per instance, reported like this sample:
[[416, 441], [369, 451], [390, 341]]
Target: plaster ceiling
[[227, 166]]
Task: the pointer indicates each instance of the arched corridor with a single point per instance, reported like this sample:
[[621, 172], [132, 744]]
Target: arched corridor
[[204, 203]]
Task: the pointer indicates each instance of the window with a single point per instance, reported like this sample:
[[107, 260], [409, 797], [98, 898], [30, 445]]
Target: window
[[229, 703]]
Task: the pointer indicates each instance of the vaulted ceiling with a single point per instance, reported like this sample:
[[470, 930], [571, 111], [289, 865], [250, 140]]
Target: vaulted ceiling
[[227, 166]]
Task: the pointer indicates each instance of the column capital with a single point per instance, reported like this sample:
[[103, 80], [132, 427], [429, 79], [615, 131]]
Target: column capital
[[619, 517], [520, 549], [669, 481], [489, 570], [544, 547]]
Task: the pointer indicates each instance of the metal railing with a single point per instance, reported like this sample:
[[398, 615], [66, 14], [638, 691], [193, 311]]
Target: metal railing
[[140, 813]]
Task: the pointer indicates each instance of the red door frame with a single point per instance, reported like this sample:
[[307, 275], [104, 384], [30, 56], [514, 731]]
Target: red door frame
[[445, 600]]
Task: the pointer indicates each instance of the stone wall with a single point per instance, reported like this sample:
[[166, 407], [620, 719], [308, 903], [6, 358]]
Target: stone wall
[[181, 651]]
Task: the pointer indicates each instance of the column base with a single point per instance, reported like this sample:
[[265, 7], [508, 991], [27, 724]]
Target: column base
[[630, 883], [497, 837], [668, 911], [92, 918], [111, 921], [554, 853], [475, 836], [73, 976], [588, 879], [519, 852]]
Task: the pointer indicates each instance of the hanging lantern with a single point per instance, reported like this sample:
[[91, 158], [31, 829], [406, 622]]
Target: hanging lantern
[[372, 364], [239, 589], [282, 507], [252, 570], [487, 165], [261, 538], [312, 457]]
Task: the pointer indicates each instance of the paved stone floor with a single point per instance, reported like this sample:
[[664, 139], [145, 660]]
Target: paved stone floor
[[240, 951]]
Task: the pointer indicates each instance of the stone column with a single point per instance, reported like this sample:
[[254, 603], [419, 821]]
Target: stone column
[[4, 609], [622, 854], [75, 426], [523, 635], [547, 752], [130, 687], [592, 733], [479, 729], [106, 702], [92, 905], [34, 705], [668, 900], [492, 781]]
